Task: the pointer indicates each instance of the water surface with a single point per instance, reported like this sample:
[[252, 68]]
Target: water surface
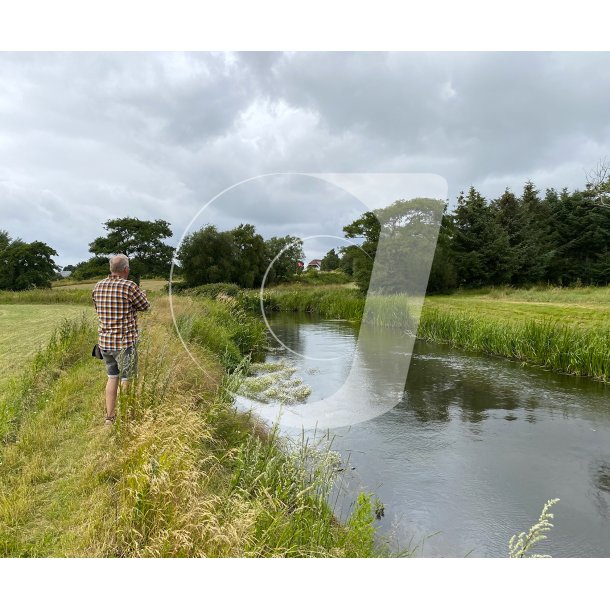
[[472, 450]]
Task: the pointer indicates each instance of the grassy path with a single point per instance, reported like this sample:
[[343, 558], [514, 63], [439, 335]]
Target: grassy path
[[181, 474], [53, 496]]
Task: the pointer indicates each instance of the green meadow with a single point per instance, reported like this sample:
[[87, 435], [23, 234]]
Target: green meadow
[[27, 328]]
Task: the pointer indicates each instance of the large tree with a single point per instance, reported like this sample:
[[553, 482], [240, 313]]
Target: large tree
[[365, 229], [443, 275], [207, 256], [94, 267], [289, 251], [331, 261], [141, 241], [480, 243], [24, 266], [251, 255], [533, 248]]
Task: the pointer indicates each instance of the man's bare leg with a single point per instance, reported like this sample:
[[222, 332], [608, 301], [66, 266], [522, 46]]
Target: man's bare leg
[[112, 385]]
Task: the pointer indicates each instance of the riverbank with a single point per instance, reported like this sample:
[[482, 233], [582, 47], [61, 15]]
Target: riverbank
[[566, 330], [563, 330], [181, 473]]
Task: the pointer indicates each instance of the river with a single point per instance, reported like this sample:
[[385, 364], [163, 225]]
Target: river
[[472, 450]]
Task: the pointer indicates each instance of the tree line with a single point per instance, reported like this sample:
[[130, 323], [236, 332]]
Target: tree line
[[560, 238]]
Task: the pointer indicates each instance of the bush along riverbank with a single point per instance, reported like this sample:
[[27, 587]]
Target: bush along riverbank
[[490, 322], [181, 473]]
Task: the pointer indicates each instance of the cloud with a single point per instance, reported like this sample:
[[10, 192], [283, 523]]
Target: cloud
[[86, 137]]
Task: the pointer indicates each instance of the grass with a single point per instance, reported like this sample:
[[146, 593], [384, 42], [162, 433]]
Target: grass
[[221, 327], [322, 278], [563, 329], [25, 329], [67, 284], [181, 473], [329, 302], [41, 296], [576, 310], [559, 347]]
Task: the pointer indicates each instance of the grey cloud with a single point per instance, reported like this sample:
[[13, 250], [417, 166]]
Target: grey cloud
[[85, 137]]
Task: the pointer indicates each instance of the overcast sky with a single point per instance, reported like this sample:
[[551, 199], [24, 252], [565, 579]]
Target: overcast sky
[[87, 137]]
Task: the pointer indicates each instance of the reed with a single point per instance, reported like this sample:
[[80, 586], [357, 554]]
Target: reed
[[344, 303], [559, 347], [220, 326]]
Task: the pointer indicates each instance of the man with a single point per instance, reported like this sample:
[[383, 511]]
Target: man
[[117, 301]]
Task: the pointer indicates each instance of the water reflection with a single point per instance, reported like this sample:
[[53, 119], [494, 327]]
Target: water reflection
[[474, 449]]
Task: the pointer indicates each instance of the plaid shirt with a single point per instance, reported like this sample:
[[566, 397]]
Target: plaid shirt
[[116, 301]]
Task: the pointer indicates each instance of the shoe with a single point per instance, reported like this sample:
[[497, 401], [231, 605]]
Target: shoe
[[110, 420]]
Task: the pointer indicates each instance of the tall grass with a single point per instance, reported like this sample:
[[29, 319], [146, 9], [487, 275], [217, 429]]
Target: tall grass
[[194, 478], [321, 278], [46, 296], [221, 326], [342, 303], [562, 347], [180, 474], [69, 341], [559, 347]]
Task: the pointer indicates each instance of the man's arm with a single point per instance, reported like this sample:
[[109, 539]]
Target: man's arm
[[93, 297], [139, 300]]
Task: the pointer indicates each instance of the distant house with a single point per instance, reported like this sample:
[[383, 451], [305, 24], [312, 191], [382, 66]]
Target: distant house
[[65, 273], [316, 263], [300, 265]]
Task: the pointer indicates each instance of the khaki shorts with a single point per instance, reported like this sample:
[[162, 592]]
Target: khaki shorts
[[123, 363]]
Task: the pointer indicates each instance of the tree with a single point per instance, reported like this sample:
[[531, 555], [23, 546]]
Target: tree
[[480, 244], [251, 254], [24, 266], [141, 241], [409, 229], [598, 183], [239, 256], [348, 253], [289, 252], [443, 276], [367, 228], [331, 261], [207, 256], [532, 252], [5, 240], [94, 267]]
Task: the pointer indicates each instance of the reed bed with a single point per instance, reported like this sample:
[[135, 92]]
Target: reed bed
[[570, 339], [559, 347], [344, 303]]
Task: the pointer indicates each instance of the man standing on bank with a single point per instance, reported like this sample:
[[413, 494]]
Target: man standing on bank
[[117, 301]]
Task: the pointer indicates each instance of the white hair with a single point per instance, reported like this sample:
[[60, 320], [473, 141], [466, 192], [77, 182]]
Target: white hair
[[119, 263]]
